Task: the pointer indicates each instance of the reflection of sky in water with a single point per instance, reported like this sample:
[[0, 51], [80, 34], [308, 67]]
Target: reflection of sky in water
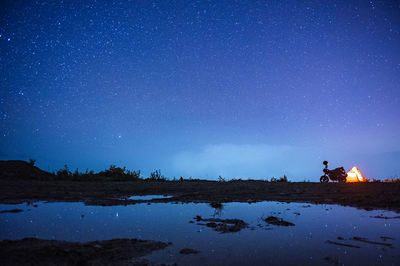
[[301, 244], [149, 197]]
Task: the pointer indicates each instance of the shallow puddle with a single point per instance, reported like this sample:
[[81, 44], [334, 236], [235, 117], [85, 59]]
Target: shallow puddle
[[148, 197], [322, 234]]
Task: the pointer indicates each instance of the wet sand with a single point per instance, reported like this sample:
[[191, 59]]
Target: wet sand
[[361, 195]]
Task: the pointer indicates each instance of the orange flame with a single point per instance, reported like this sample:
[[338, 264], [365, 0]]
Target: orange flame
[[354, 175]]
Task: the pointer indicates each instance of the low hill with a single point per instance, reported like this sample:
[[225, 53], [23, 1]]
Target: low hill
[[16, 169]]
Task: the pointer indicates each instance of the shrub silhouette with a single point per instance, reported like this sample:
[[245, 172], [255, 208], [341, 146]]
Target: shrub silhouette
[[113, 173], [282, 179], [392, 180], [157, 176], [221, 179], [32, 162], [120, 174], [64, 173]]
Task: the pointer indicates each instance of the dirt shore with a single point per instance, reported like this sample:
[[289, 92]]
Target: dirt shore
[[32, 251], [361, 195]]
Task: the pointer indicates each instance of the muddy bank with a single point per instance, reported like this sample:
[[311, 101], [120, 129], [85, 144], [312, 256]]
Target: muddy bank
[[32, 251], [222, 225], [278, 221], [11, 211], [361, 195]]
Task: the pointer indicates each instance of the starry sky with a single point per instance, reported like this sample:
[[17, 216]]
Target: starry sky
[[241, 89]]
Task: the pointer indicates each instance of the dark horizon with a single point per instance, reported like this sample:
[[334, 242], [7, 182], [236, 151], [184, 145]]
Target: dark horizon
[[202, 89]]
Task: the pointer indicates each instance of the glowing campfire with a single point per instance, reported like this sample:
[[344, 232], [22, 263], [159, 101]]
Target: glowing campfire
[[354, 175]]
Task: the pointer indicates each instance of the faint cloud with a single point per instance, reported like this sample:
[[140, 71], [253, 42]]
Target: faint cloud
[[239, 161]]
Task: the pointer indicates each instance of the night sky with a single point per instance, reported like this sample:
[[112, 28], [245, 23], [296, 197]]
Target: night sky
[[241, 89]]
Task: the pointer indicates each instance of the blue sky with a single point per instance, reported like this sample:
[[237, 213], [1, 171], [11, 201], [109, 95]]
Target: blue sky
[[245, 89]]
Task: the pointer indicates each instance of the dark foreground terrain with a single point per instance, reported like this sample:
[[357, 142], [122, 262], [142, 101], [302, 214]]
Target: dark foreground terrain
[[361, 195], [32, 251], [21, 182]]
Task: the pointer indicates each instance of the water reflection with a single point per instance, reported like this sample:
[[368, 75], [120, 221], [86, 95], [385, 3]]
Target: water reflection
[[218, 208], [308, 242]]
